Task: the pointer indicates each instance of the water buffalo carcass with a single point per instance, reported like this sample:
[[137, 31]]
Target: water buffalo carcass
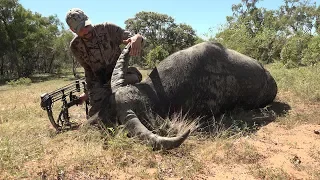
[[203, 80]]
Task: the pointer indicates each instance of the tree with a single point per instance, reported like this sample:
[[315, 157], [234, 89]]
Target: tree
[[297, 16], [7, 9], [311, 54], [180, 37], [61, 50], [30, 42], [154, 26], [271, 35], [291, 53], [156, 55], [160, 30]]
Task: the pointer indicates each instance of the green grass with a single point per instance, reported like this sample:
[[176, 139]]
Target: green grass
[[303, 81]]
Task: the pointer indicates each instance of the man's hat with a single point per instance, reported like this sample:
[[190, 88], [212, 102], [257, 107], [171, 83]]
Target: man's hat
[[76, 19]]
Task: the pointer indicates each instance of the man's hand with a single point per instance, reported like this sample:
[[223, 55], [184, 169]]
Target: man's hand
[[135, 44], [82, 98]]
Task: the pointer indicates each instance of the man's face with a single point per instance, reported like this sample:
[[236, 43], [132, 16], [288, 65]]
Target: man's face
[[86, 32]]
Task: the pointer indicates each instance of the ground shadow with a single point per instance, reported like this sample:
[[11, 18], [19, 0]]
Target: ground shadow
[[280, 108], [247, 121]]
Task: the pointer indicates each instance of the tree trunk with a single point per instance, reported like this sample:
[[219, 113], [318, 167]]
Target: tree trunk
[[37, 66], [50, 65], [14, 58], [2, 67]]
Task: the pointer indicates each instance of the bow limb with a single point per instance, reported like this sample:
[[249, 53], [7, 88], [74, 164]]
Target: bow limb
[[52, 121]]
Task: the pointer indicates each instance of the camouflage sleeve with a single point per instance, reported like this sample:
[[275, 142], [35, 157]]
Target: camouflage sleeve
[[120, 34], [87, 69], [117, 32]]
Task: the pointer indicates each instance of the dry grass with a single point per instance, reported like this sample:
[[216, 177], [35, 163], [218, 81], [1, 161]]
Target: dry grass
[[269, 173], [30, 148], [302, 81], [145, 73]]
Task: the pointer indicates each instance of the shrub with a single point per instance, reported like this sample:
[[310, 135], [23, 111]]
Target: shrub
[[311, 55], [20, 81], [156, 55], [291, 53]]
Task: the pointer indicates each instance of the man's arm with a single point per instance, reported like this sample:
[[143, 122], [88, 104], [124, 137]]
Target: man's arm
[[89, 76], [122, 36]]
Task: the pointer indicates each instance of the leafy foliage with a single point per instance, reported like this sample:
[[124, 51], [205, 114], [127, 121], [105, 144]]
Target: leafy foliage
[[156, 55], [162, 34], [291, 53], [274, 35], [311, 54], [32, 43], [20, 81]]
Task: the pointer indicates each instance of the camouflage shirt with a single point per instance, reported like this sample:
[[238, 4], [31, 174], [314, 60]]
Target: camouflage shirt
[[98, 56]]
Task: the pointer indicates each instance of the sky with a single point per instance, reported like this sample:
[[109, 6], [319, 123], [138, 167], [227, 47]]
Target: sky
[[201, 15]]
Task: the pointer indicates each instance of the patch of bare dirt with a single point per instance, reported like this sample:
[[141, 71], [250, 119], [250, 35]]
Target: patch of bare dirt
[[274, 151], [293, 150]]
